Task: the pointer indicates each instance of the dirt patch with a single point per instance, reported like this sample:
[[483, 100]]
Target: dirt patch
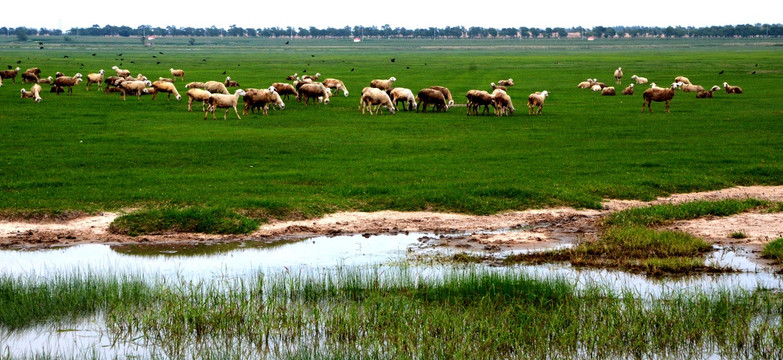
[[542, 228]]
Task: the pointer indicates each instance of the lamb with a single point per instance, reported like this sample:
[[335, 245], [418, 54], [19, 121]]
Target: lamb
[[31, 75], [165, 86], [383, 84], [446, 93], [292, 77], [68, 81], [121, 72], [596, 82], [639, 80], [231, 83], [478, 98], [618, 75], [177, 73], [608, 91], [314, 91], [659, 94], [95, 78], [224, 101], [732, 89], [429, 96], [535, 102], [502, 103], [707, 94], [46, 80], [691, 88], [9, 74], [161, 78], [134, 86], [196, 85], [34, 93], [285, 89], [628, 90], [335, 84], [584, 84], [312, 77], [495, 87], [404, 95], [255, 98], [376, 97], [140, 77], [216, 87], [197, 94], [595, 87], [509, 82], [682, 79]]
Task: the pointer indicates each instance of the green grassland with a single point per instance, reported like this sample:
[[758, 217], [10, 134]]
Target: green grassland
[[91, 151]]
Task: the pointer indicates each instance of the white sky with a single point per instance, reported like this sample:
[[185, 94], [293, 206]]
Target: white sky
[[56, 14]]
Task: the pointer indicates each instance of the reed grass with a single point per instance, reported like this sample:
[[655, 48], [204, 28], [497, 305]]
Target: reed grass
[[774, 250]]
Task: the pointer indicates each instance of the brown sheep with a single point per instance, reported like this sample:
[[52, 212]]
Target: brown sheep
[[292, 77], [509, 82], [336, 85], [659, 94], [312, 77], [383, 84], [285, 89], [313, 91], [432, 97], [535, 102], [231, 83], [478, 98], [707, 94], [9, 74], [628, 90], [608, 91], [31, 75], [255, 98], [177, 73], [167, 87], [196, 85], [111, 81], [502, 103], [161, 78], [197, 94], [446, 93], [732, 89], [68, 81]]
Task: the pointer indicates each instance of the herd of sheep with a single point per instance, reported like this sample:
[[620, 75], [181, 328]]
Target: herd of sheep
[[380, 94], [654, 92]]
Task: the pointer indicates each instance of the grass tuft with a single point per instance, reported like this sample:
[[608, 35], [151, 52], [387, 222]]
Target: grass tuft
[[661, 214], [774, 250], [190, 220]]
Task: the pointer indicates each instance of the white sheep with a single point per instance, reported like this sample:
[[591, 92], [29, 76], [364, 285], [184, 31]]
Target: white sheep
[[376, 97], [628, 90], [595, 87], [95, 78], [618, 75], [404, 95], [502, 103], [535, 102], [34, 93], [292, 77], [121, 72], [134, 86], [224, 101], [582, 85], [732, 89], [682, 79], [688, 87], [639, 80], [167, 87], [46, 80], [495, 87], [177, 73], [195, 85], [383, 84], [335, 84], [216, 87], [197, 94]]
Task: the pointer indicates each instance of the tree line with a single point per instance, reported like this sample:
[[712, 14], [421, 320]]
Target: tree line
[[386, 31]]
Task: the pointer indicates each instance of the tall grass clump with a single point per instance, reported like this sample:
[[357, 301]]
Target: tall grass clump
[[774, 250], [195, 220], [661, 214]]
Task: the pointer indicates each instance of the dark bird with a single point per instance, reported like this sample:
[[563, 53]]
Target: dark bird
[[158, 62], [93, 54], [133, 62], [154, 57], [239, 64], [9, 66], [19, 61], [407, 67], [82, 64], [286, 42], [160, 52], [304, 71], [312, 55], [204, 60], [425, 64], [721, 72], [40, 43], [120, 54], [753, 73], [40, 47], [65, 57], [393, 59], [351, 69], [757, 65], [224, 73]]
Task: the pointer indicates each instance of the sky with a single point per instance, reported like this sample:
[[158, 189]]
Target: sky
[[410, 14]]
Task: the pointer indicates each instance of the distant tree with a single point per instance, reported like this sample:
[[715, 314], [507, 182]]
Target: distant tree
[[21, 34], [191, 41]]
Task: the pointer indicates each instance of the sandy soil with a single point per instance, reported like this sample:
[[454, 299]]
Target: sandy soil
[[522, 229]]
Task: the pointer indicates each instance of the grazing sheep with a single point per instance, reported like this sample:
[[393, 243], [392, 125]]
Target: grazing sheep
[[216, 87], [535, 102], [95, 78], [231, 83], [177, 73], [732, 89], [336, 85], [46, 80], [167, 87], [292, 77], [584, 84], [34, 93], [134, 86], [121, 72], [682, 79], [495, 87], [502, 103], [618, 75], [707, 94], [404, 95], [255, 98], [314, 91], [285, 89], [224, 101], [68, 81], [378, 98], [659, 94], [446, 93], [432, 97], [639, 80], [161, 78], [383, 84], [628, 90], [9, 74], [31, 75], [312, 77], [197, 95], [196, 85], [608, 91], [509, 82], [478, 98], [111, 81]]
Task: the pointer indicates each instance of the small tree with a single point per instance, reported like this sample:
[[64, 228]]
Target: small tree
[[21, 34], [192, 41]]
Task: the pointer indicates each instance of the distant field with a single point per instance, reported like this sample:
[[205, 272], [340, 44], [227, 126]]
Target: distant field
[[92, 151]]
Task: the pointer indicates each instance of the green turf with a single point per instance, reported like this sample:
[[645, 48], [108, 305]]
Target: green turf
[[92, 151]]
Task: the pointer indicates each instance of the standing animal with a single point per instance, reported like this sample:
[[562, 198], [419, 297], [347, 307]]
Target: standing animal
[[224, 101], [502, 102], [376, 97], [639, 80], [732, 89], [31, 75], [608, 91], [509, 82], [535, 102], [9, 74], [255, 98], [446, 93], [95, 78], [432, 97], [121, 72], [197, 94], [314, 91], [231, 83], [216, 87], [707, 94], [628, 90], [336, 85], [478, 98], [68, 81], [167, 87], [177, 73], [618, 75], [383, 84], [285, 89], [34, 93], [137, 87], [404, 95], [659, 95]]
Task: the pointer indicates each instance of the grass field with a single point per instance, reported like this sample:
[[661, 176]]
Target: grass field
[[92, 151]]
